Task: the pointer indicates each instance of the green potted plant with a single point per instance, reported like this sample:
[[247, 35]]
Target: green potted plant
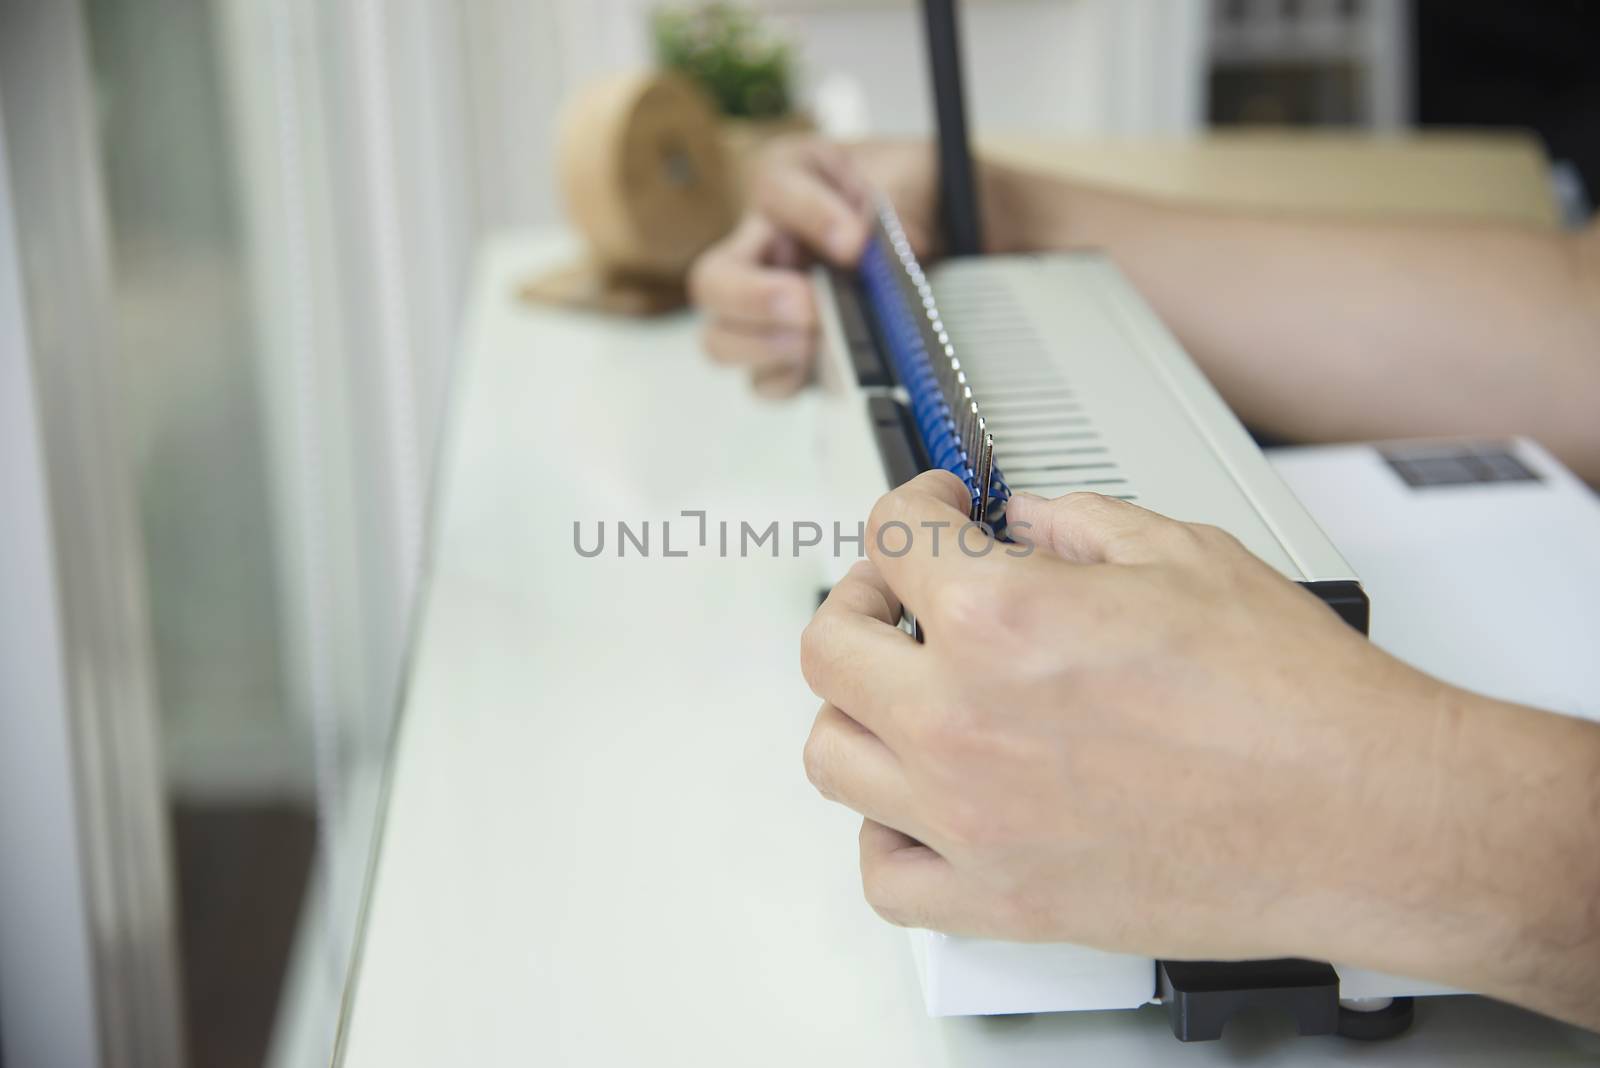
[[747, 71]]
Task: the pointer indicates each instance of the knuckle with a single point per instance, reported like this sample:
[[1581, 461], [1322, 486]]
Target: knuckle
[[1107, 521], [875, 890], [814, 649], [866, 589], [892, 507], [1215, 538], [1184, 540], [880, 892], [941, 483], [860, 571], [1083, 502], [818, 765], [861, 598], [1085, 506], [1015, 604], [1198, 546], [962, 609]]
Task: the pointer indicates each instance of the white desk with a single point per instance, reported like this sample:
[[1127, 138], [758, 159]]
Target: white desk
[[600, 848]]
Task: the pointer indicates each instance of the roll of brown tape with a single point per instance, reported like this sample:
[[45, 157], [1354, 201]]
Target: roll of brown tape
[[645, 174]]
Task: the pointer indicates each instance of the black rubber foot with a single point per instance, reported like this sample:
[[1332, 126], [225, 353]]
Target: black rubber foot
[[1202, 996], [1379, 1024]]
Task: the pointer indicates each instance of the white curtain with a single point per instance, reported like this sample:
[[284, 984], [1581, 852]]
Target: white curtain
[[358, 190]]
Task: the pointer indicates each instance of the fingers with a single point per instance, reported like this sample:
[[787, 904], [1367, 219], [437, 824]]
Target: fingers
[[919, 539], [732, 283], [759, 307], [911, 885], [840, 169], [803, 197], [864, 590], [847, 763], [854, 655], [1087, 528], [757, 317]]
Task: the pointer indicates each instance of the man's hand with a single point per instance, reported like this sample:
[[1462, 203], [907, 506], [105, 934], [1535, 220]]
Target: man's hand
[[1118, 740], [810, 199], [1142, 738]]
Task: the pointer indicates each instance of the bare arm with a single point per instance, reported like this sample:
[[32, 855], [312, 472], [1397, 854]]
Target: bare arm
[[1331, 329], [1498, 884], [1314, 328]]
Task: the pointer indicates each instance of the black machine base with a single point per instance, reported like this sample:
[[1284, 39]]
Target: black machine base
[[1202, 996]]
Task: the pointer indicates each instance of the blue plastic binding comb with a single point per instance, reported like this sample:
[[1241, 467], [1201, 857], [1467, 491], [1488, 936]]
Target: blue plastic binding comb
[[953, 431]]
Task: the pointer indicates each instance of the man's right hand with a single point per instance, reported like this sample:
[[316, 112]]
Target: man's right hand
[[810, 200]]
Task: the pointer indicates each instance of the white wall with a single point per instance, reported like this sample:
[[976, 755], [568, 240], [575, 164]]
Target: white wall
[[1086, 67]]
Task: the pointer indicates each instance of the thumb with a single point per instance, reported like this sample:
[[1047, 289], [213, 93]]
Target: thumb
[[801, 193], [1089, 528]]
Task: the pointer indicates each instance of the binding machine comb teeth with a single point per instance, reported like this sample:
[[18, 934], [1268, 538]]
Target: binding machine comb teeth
[[951, 426]]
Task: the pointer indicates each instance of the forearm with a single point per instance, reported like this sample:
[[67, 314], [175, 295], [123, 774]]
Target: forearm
[[1481, 864], [1323, 329]]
